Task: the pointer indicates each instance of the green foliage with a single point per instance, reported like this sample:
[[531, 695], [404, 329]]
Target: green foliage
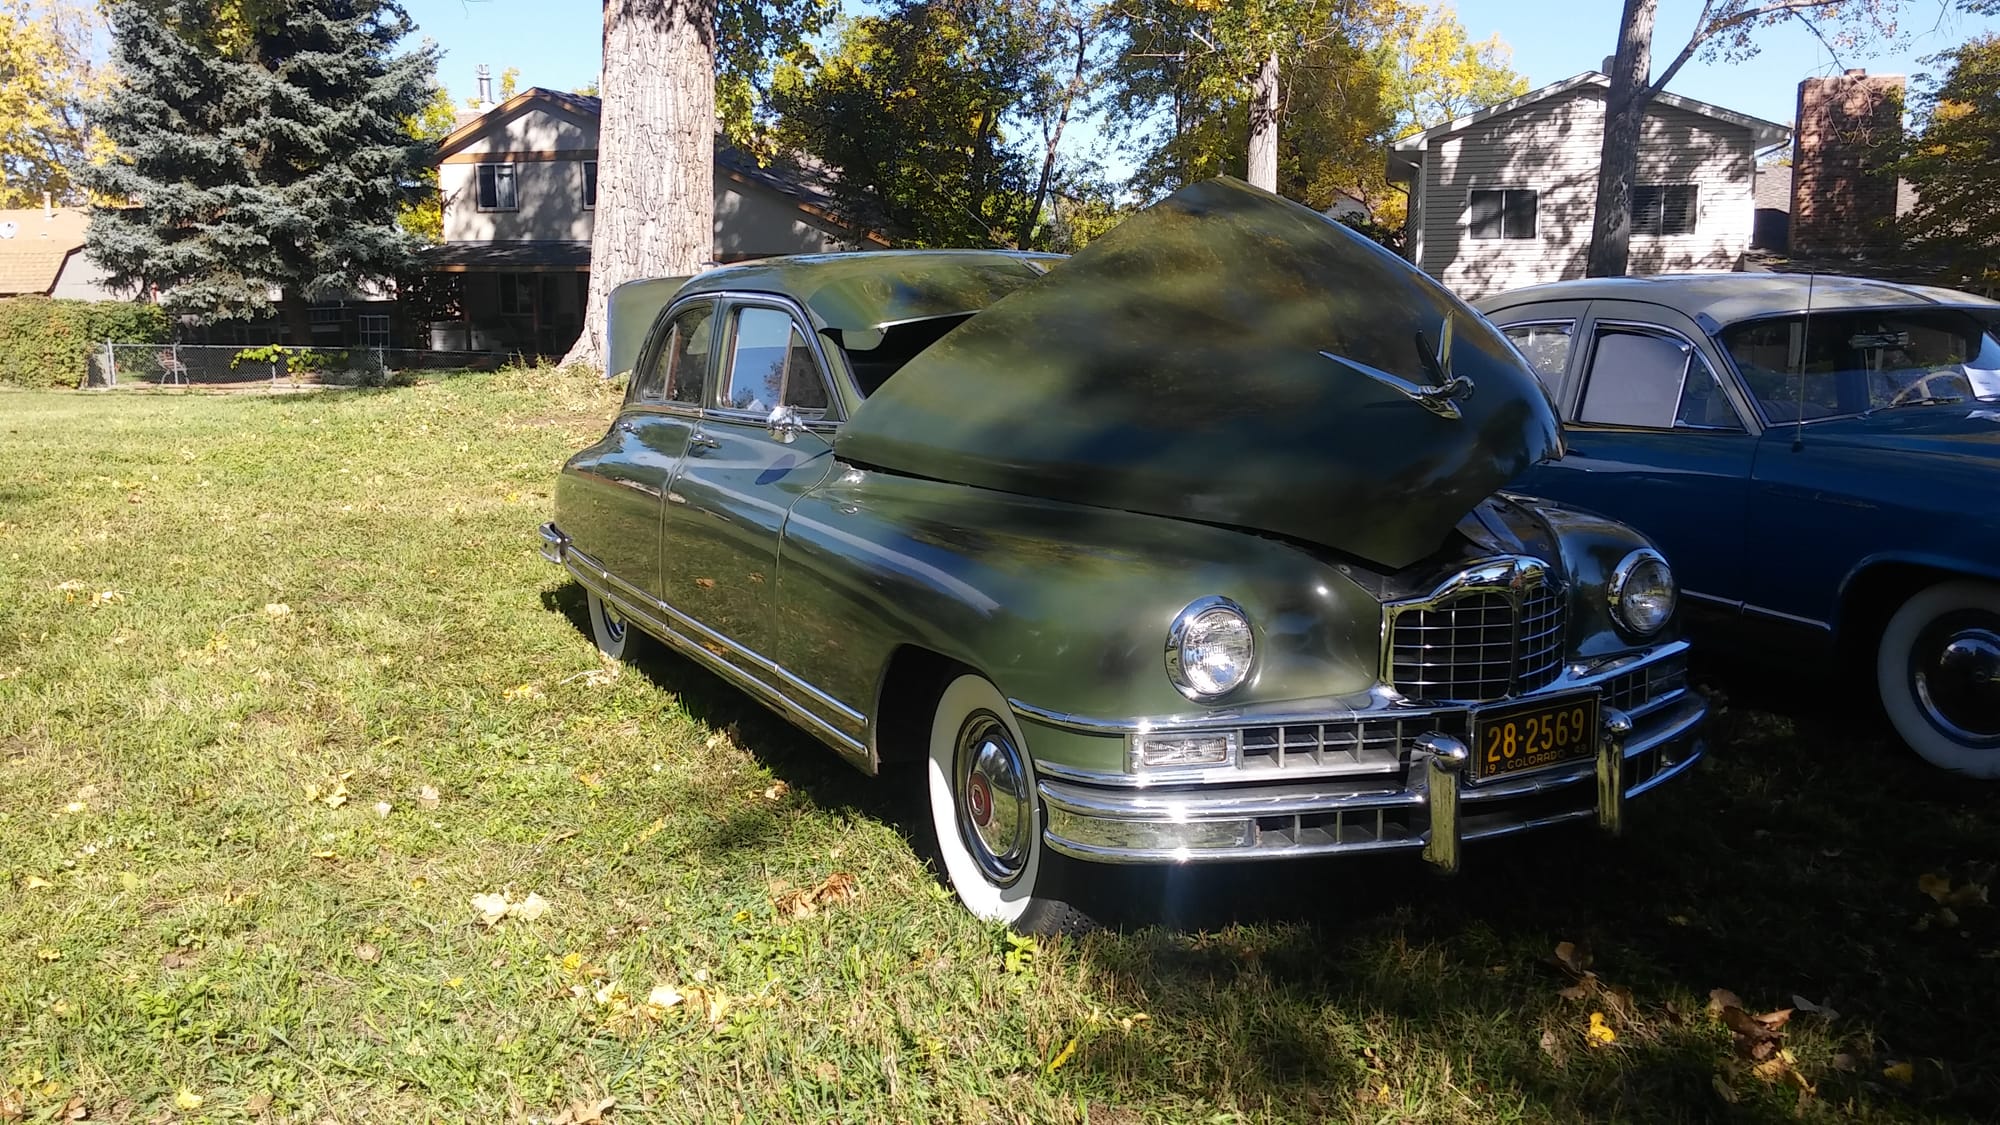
[[1433, 72], [1952, 160], [267, 141], [49, 343], [911, 106], [421, 212], [47, 78]]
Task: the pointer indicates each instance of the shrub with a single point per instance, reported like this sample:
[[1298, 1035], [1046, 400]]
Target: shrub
[[45, 343]]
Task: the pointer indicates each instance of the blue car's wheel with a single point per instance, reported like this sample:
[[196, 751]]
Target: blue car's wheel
[[1938, 669]]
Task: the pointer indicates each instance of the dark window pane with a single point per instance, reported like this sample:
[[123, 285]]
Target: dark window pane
[[1677, 209], [687, 358], [590, 183], [1486, 213], [488, 192], [1520, 208], [1635, 380]]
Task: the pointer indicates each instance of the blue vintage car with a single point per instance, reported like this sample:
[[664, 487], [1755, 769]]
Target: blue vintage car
[[1819, 455]]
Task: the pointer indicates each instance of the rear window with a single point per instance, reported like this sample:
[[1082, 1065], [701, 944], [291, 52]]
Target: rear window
[[1851, 362]]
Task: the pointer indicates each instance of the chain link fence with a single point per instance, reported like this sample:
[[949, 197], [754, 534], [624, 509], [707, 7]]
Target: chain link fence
[[271, 368]]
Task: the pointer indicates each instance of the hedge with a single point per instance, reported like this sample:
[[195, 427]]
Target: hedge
[[45, 343]]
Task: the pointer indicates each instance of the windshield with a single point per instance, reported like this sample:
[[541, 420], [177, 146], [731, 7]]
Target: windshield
[[1855, 361]]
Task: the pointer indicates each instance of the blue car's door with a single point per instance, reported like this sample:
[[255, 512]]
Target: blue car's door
[[1656, 440]]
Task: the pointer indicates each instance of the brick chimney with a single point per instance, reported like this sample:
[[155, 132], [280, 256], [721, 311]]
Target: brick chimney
[[1838, 205]]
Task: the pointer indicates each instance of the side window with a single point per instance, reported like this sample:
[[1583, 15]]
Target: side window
[[1502, 213], [1546, 348], [770, 363], [684, 359], [1704, 406], [1635, 379]]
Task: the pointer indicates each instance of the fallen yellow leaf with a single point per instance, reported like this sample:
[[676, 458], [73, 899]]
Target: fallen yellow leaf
[[1901, 1072], [277, 609], [663, 996], [188, 1100], [1063, 1056], [1600, 1032], [36, 883]]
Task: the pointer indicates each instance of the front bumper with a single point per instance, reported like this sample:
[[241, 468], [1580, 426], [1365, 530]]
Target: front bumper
[[1429, 805], [554, 543]]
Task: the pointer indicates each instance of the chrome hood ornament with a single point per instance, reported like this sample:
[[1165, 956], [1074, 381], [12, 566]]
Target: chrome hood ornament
[[1441, 397]]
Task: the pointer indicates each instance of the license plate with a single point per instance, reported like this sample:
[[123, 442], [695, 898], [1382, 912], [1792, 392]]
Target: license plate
[[1528, 736]]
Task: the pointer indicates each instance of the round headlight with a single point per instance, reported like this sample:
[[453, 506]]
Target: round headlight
[[1210, 649], [1642, 592]]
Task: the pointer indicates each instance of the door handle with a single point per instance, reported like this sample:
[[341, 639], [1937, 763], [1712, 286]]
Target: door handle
[[699, 440]]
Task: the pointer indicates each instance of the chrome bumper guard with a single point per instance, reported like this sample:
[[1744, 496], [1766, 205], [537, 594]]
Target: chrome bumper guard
[[1430, 806], [554, 543]]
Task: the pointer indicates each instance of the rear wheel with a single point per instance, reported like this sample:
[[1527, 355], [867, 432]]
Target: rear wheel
[[986, 815], [1937, 668], [608, 627]]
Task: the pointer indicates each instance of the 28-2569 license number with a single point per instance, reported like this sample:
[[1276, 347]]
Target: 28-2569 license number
[[1528, 736]]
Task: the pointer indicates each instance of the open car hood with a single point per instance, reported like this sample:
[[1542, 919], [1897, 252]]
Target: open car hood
[[1229, 357]]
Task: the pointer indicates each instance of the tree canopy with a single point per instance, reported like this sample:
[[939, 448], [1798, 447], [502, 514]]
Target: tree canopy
[[48, 75], [1952, 160]]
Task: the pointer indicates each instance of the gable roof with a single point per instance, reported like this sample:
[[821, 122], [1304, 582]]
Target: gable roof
[[32, 259], [806, 183], [1762, 133]]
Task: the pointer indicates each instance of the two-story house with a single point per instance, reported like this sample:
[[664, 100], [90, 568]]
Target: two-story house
[[519, 189], [1505, 197]]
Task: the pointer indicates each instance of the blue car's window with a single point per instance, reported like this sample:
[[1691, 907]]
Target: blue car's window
[[1854, 361], [1704, 406], [1635, 379]]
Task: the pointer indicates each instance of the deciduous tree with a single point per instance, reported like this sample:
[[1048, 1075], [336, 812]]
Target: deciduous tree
[[1434, 72], [265, 145], [49, 72], [1953, 162]]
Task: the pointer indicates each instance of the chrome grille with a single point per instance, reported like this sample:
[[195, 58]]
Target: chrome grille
[[1353, 746], [1491, 632], [1632, 691]]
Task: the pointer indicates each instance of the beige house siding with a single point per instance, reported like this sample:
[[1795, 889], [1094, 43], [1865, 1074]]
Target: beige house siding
[[1552, 146], [83, 280]]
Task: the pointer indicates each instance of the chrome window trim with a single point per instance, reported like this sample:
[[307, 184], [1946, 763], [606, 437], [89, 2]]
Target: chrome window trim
[[730, 301], [1585, 372]]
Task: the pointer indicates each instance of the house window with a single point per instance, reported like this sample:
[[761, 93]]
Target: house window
[[1503, 213], [496, 188], [589, 184], [374, 331], [517, 294], [1663, 209]]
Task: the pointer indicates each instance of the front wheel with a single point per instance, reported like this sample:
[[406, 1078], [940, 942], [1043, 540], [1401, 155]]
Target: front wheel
[[608, 627], [986, 815], [1938, 670]]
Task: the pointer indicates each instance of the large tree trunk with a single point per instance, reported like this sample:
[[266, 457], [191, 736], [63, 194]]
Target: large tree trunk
[[656, 152], [1264, 126], [1624, 113]]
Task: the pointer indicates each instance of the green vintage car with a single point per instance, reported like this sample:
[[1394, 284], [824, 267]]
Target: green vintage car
[[1185, 549]]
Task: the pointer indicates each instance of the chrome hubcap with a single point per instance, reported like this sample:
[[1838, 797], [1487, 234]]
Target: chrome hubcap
[[1955, 673], [614, 623], [992, 784]]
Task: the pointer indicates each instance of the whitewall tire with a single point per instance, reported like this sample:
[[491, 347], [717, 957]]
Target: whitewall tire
[[986, 816], [609, 627], [1937, 668]]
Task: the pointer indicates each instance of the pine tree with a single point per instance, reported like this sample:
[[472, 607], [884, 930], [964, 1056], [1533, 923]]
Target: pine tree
[[262, 148]]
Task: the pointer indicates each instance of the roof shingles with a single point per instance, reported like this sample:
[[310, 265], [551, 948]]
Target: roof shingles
[[32, 258]]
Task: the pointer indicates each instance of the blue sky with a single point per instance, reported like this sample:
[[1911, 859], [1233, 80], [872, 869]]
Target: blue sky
[[556, 43]]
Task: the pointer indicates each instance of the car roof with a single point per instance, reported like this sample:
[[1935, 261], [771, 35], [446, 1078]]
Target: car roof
[[1721, 299], [861, 291]]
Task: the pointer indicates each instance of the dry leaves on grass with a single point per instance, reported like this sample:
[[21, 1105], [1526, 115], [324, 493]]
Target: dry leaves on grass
[[523, 691], [495, 906], [333, 794], [1759, 1040], [777, 792], [805, 902], [1949, 899], [428, 797], [589, 1112]]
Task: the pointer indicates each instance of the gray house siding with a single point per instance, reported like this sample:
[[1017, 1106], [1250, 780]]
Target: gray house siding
[[1551, 146]]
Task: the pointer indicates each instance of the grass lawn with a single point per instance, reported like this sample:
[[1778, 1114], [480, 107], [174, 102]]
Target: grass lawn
[[284, 686]]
